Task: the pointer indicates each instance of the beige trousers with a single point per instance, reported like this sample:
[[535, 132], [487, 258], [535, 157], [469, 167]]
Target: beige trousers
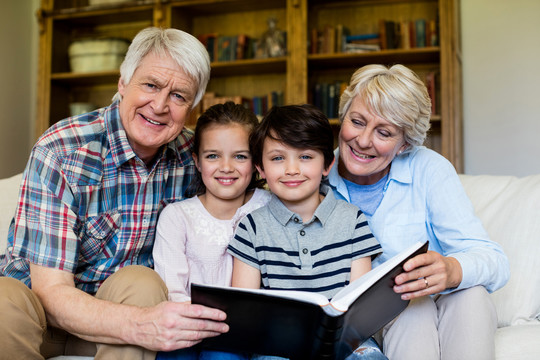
[[455, 326], [24, 333]]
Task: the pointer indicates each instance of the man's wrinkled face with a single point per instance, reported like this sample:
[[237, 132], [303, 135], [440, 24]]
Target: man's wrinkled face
[[155, 104]]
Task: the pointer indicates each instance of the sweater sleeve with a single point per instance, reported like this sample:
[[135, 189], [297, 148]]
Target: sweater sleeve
[[170, 260], [460, 233]]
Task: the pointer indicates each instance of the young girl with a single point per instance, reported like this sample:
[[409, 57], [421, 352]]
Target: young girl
[[192, 235]]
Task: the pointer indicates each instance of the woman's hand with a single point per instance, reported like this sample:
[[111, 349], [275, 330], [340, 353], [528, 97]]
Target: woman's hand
[[428, 274]]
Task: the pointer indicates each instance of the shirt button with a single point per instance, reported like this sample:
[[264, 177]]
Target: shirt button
[[145, 221], [305, 251], [103, 233], [296, 220], [302, 233]]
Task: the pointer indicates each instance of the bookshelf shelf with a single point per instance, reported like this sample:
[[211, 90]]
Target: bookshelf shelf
[[294, 75], [250, 66], [101, 14], [212, 7], [409, 56], [102, 77]]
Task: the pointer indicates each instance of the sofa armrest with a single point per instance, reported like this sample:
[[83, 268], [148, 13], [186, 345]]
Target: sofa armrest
[[9, 191], [508, 208]]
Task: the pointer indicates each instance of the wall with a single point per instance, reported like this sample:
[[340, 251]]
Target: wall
[[18, 71], [501, 80]]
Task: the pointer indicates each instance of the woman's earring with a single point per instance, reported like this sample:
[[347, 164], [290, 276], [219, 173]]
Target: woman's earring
[[402, 150]]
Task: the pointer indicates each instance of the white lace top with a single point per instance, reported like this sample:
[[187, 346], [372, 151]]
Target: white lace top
[[191, 245]]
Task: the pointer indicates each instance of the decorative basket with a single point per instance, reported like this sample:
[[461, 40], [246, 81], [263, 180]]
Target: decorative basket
[[92, 55]]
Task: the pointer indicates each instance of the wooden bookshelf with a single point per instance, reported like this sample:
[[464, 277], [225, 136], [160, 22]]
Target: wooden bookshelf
[[295, 74]]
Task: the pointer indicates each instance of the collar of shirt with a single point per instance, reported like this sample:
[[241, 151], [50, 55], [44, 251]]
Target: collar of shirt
[[283, 215], [181, 146], [400, 171], [121, 150]]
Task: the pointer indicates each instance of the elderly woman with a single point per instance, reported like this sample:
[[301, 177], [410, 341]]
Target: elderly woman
[[411, 193]]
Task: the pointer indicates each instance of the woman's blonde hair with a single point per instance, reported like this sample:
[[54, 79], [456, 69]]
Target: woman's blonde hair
[[393, 93]]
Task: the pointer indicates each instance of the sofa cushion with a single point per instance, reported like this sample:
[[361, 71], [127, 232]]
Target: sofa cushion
[[518, 342], [509, 209], [9, 191]]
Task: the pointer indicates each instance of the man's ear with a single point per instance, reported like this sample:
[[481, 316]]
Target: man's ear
[[121, 87], [261, 171], [327, 170]]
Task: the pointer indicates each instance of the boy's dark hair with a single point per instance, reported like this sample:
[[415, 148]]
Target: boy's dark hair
[[297, 126], [221, 114]]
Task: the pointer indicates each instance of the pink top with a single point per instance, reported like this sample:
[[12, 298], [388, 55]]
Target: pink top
[[191, 245]]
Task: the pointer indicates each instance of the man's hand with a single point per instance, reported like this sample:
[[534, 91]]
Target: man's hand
[[428, 274], [166, 326], [169, 326]]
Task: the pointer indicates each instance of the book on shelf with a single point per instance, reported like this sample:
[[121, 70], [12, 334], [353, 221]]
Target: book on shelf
[[324, 41], [326, 97], [432, 33], [359, 38], [306, 325], [258, 104], [262, 103], [246, 47], [412, 34], [333, 100], [431, 79], [314, 41], [405, 34], [420, 29], [361, 43], [393, 36], [226, 48], [210, 98], [329, 40], [360, 48], [210, 43], [389, 32], [341, 37]]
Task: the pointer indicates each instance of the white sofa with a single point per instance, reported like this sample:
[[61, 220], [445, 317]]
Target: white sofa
[[509, 208]]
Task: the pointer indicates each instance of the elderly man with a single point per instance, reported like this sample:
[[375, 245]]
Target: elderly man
[[77, 272]]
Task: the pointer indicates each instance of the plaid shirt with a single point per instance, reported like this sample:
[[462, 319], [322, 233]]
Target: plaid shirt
[[88, 204]]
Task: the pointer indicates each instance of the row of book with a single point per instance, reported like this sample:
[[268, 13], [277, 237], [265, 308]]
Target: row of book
[[326, 95], [258, 104], [408, 34], [229, 48], [391, 35]]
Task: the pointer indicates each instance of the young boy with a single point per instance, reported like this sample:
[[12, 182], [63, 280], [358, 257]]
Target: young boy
[[304, 239]]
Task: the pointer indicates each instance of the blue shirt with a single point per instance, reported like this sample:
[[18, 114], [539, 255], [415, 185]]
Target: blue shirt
[[368, 197], [423, 199], [88, 204]]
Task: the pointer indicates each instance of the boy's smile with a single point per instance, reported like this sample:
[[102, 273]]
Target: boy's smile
[[294, 175]]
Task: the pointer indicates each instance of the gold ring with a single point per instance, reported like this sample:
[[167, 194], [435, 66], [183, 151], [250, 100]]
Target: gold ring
[[427, 284]]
